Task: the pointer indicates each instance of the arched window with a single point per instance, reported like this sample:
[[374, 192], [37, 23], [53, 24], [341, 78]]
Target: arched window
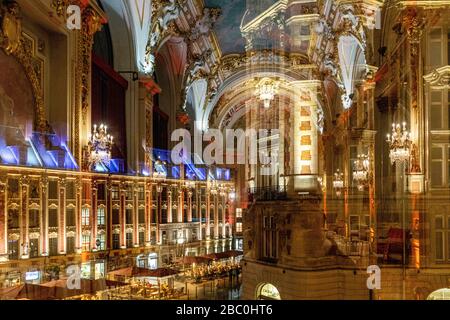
[[441, 294], [267, 291]]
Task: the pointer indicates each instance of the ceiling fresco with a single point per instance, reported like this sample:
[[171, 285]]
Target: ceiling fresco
[[228, 25]]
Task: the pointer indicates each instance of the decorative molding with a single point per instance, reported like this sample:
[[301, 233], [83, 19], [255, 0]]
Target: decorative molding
[[13, 43], [439, 78]]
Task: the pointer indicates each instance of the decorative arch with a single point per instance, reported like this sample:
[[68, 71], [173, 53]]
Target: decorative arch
[[241, 76], [15, 44], [267, 291]]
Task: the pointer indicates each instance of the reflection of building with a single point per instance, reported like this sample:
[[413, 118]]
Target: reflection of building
[[371, 67], [318, 84], [58, 205]]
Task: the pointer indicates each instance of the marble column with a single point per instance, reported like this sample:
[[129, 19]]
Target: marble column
[[94, 215], [62, 216], [78, 222], [3, 220], [208, 206], [135, 216], [169, 205], [44, 216], [123, 220], [305, 135], [24, 218], [148, 213]]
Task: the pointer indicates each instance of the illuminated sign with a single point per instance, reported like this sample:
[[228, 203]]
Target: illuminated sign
[[32, 275]]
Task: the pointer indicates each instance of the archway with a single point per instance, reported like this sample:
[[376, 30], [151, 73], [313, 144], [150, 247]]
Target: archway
[[441, 294], [267, 291]]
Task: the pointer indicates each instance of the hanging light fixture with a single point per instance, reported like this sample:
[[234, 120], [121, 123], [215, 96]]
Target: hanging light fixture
[[338, 182], [266, 90], [361, 171], [400, 143], [99, 145]]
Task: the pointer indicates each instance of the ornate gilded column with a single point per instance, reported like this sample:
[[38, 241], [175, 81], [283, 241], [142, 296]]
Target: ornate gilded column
[[135, 215], [216, 216], [24, 184], [94, 215], [148, 213], [148, 89], [224, 215], [3, 219], [159, 215], [169, 205], [78, 223], [189, 217], [305, 137], [208, 206], [109, 210], [91, 23], [198, 202], [62, 216], [123, 220], [180, 205]]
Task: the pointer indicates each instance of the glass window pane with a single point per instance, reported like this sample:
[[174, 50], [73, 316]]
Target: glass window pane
[[436, 153], [439, 222], [436, 97], [436, 117], [439, 246], [436, 173], [435, 54], [448, 245], [435, 34]]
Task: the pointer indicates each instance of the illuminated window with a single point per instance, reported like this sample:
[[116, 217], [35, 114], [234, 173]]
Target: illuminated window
[[86, 242], [116, 241], [439, 109], [440, 165], [441, 294], [239, 227], [239, 213], [141, 194], [268, 292], [442, 237], [439, 47], [101, 216], [115, 193], [85, 216], [269, 237], [102, 240], [129, 240]]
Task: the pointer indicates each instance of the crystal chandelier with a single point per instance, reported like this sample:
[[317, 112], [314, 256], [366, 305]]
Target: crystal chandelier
[[338, 182], [99, 145], [399, 143], [266, 90], [361, 171]]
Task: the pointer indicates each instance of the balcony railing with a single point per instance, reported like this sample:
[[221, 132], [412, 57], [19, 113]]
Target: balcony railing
[[267, 193]]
